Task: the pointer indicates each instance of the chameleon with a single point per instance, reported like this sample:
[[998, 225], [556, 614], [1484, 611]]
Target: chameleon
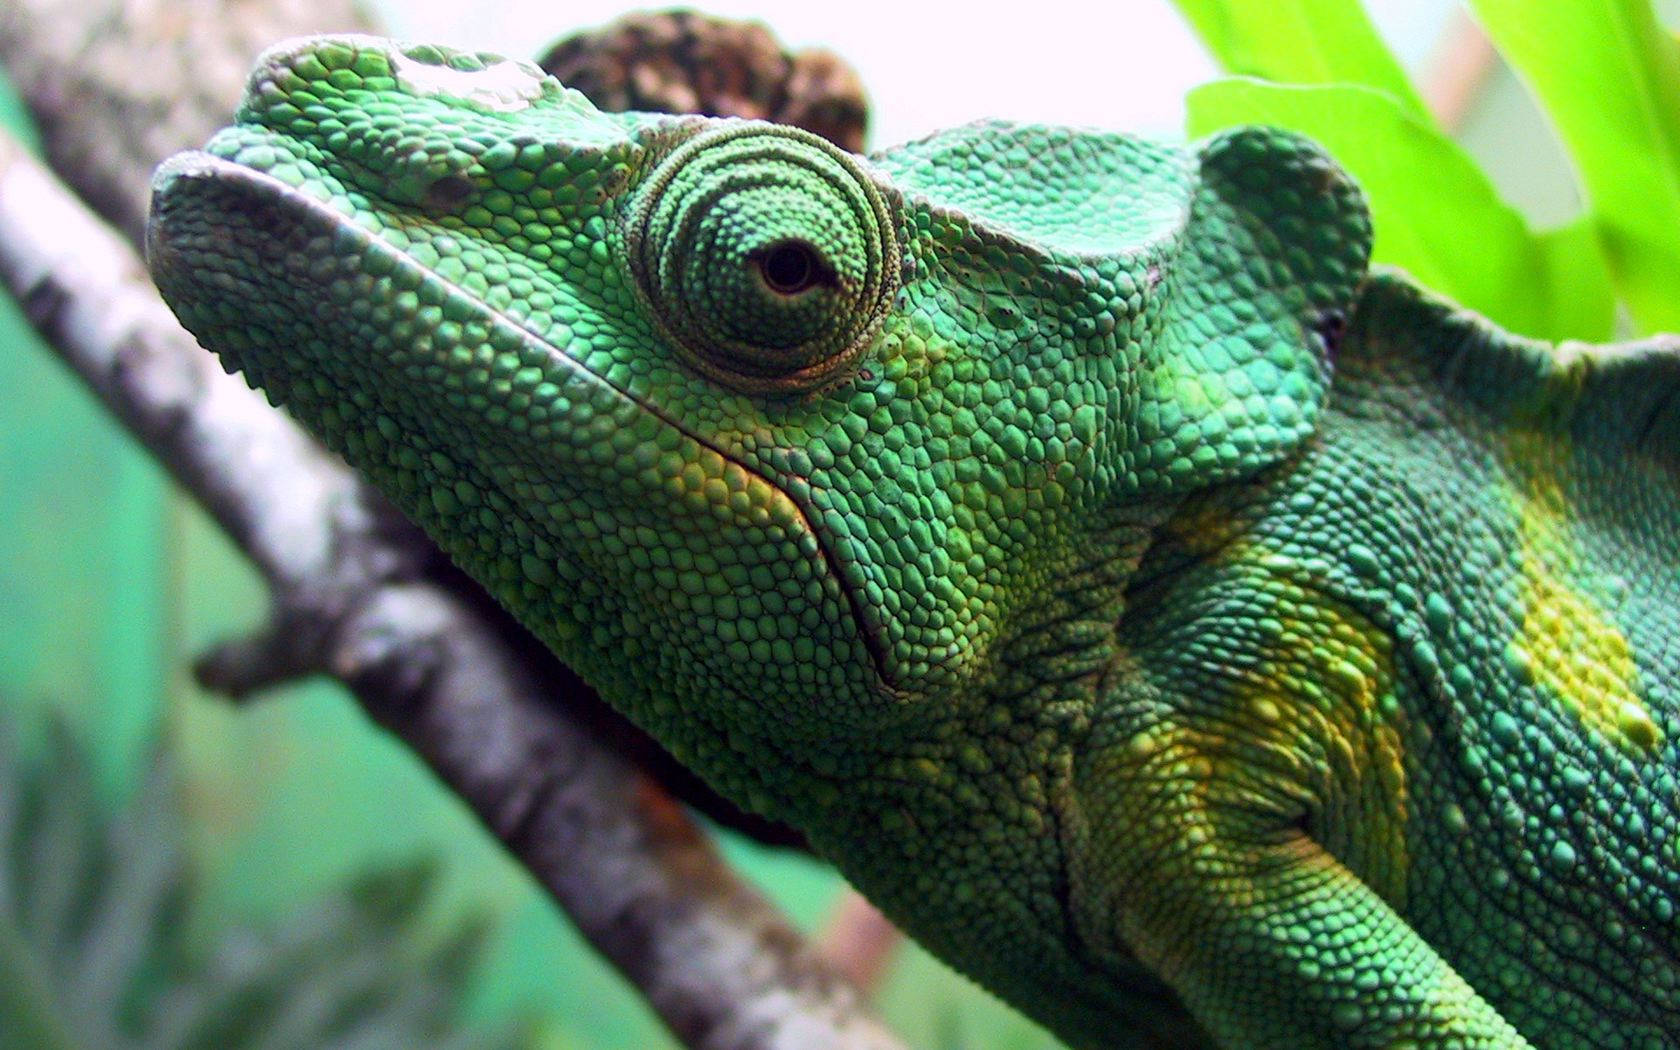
[[1195, 635]]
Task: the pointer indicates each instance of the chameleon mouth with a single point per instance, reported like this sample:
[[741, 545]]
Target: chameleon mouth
[[239, 251]]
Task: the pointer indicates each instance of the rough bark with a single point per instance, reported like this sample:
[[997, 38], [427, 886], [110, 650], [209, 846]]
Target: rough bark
[[687, 62]]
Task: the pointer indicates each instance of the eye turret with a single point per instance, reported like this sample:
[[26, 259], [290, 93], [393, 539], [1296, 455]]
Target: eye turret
[[769, 256]]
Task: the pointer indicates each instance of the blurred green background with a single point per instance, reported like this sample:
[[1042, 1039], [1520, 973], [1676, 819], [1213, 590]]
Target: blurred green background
[[110, 582]]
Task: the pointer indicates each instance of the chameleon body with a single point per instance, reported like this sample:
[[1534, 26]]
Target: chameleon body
[[1197, 638]]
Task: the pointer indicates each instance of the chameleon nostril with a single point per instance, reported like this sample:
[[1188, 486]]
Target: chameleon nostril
[[450, 192]]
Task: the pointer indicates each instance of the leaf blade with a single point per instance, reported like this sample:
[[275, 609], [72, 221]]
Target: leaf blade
[[1434, 211], [1301, 42], [1623, 134]]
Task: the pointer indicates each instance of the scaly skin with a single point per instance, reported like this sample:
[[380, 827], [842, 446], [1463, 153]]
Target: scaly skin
[[1196, 639]]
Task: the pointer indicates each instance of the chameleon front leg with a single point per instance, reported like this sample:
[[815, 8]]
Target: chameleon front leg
[[1270, 940]]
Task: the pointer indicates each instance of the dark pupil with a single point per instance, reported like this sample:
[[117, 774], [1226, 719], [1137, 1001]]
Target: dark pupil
[[789, 268]]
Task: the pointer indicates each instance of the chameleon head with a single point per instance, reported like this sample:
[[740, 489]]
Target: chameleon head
[[772, 443]]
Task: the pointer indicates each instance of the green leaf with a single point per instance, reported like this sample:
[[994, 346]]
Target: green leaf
[[1609, 76], [92, 951], [1434, 211], [1301, 42]]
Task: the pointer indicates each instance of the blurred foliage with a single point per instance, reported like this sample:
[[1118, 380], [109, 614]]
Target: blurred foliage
[[1320, 68], [1301, 42], [1434, 211], [94, 953], [1623, 134]]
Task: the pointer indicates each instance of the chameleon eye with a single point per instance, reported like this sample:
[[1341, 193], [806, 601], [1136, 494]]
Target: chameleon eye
[[790, 267], [769, 257]]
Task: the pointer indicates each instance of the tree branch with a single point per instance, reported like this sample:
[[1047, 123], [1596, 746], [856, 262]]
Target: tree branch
[[357, 598]]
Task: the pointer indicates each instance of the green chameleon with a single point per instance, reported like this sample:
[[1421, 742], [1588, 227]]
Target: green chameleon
[[1198, 639]]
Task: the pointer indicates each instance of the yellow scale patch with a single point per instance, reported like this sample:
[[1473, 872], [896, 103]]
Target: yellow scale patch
[[1329, 680], [1325, 695], [1568, 643]]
